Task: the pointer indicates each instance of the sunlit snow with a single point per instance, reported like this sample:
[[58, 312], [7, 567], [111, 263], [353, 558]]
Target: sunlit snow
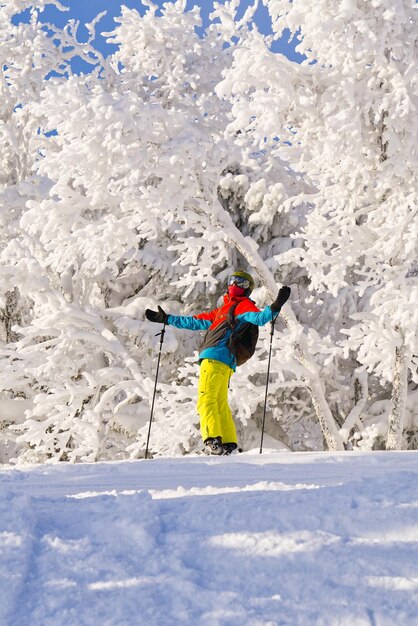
[[301, 539]]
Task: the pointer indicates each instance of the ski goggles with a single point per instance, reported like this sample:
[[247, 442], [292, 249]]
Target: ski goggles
[[239, 281]]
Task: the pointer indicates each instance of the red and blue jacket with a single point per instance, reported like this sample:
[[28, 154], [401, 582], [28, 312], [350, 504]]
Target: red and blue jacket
[[218, 329]]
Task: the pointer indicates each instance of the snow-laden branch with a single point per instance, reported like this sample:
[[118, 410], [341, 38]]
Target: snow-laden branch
[[248, 248]]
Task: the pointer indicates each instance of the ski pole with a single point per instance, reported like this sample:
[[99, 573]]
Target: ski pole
[[267, 383], [161, 335]]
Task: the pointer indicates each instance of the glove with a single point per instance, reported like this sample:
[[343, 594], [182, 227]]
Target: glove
[[159, 316], [283, 296]]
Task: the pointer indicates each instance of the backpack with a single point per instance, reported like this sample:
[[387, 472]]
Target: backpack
[[243, 340]]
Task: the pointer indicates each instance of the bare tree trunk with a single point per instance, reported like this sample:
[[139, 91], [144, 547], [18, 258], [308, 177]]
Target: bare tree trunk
[[10, 316], [399, 396], [353, 418]]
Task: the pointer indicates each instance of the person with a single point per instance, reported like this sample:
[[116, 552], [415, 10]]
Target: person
[[217, 361]]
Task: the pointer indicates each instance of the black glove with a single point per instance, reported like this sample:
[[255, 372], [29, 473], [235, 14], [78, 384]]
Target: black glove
[[283, 296], [159, 316]]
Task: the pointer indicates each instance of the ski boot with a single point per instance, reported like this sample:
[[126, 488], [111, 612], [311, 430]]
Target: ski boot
[[230, 447], [213, 445]]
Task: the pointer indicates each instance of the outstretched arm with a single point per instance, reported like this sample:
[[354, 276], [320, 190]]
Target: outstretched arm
[[269, 313], [190, 322]]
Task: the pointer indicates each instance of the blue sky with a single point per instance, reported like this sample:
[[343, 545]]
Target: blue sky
[[86, 10]]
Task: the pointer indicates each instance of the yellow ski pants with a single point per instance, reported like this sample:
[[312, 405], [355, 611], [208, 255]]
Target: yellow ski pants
[[212, 401]]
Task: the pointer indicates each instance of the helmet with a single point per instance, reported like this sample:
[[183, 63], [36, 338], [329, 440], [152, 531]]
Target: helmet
[[242, 279]]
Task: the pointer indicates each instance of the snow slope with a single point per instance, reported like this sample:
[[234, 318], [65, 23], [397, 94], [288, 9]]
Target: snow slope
[[272, 540]]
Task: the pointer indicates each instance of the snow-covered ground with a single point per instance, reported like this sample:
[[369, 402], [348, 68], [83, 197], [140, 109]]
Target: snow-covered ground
[[272, 540]]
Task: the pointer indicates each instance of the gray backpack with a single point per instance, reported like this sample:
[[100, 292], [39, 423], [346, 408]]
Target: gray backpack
[[243, 339]]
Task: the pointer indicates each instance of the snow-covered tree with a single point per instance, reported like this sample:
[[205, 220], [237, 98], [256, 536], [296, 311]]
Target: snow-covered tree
[[346, 119], [28, 57], [183, 155], [130, 166]]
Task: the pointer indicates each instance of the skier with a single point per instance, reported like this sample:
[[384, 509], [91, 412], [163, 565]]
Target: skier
[[216, 358]]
